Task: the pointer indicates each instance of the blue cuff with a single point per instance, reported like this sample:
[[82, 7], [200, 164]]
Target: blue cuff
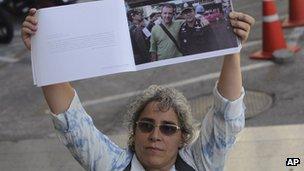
[[60, 121]]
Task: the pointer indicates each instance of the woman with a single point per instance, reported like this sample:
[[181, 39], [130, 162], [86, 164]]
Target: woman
[[161, 134]]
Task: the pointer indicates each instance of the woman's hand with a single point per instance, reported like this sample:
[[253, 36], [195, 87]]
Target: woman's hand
[[241, 24], [29, 28], [230, 82]]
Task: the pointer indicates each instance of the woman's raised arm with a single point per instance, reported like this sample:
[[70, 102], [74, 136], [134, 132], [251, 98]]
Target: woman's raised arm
[[230, 82], [58, 96]]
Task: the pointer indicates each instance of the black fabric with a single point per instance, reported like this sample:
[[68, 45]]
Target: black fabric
[[140, 45], [180, 165], [128, 168], [171, 37], [197, 39]]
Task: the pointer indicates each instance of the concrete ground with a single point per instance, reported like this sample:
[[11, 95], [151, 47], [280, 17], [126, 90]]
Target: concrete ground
[[28, 141]]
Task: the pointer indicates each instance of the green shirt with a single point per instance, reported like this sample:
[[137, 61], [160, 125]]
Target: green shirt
[[161, 44]]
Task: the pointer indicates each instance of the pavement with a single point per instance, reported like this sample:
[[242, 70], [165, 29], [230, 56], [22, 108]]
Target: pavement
[[28, 141]]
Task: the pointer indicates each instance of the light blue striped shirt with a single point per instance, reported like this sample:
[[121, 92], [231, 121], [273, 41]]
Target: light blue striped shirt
[[95, 151]]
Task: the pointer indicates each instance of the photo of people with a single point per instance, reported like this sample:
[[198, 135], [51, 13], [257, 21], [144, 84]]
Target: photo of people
[[163, 29]]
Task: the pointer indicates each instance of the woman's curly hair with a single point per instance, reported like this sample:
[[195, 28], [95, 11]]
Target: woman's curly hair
[[167, 98]]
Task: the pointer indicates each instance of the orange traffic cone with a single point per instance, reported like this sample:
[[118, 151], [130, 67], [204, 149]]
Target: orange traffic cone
[[296, 14], [273, 37]]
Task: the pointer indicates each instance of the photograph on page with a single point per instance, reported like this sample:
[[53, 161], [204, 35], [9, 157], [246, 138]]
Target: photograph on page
[[165, 32]]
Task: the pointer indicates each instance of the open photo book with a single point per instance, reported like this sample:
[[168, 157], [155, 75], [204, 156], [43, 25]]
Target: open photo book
[[105, 37]]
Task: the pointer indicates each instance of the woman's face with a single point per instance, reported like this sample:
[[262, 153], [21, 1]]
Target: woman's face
[[154, 149]]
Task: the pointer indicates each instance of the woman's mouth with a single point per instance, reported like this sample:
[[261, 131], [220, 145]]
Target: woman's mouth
[[154, 150]]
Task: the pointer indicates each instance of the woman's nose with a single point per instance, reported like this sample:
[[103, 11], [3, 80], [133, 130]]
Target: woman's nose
[[155, 135]]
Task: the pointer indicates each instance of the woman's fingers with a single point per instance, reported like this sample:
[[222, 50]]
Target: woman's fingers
[[31, 16], [241, 33], [32, 11], [242, 24], [27, 31], [242, 17], [31, 19], [30, 26]]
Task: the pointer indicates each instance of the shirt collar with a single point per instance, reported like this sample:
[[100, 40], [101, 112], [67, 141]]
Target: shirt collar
[[136, 166]]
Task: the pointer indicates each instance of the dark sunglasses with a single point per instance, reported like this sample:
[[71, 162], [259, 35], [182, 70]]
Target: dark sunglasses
[[166, 129]]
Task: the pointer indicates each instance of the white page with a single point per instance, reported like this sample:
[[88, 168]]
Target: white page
[[81, 41], [33, 53]]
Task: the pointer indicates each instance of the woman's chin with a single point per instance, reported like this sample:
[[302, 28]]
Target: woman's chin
[[153, 162]]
